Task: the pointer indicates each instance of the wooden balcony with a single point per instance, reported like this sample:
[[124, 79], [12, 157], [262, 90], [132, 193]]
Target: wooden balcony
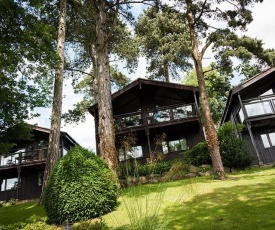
[[22, 158], [159, 116]]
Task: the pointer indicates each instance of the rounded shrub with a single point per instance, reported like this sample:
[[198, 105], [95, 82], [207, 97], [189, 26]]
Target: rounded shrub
[[233, 149], [198, 155], [80, 187]]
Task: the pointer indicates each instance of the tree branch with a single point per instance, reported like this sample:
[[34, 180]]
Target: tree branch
[[78, 70], [202, 10]]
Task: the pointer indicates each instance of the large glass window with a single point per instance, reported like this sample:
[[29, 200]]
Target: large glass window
[[256, 109], [182, 112], [174, 146], [265, 140], [159, 116], [134, 152], [268, 139], [10, 184]]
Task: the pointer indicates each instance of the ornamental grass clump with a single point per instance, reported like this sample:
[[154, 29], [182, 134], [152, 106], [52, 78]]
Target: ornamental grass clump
[[80, 187]]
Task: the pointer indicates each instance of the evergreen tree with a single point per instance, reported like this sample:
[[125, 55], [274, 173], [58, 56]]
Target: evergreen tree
[[164, 42]]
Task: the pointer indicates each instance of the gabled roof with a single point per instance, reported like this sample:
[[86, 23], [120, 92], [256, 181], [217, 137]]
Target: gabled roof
[[47, 131], [140, 82], [249, 85]]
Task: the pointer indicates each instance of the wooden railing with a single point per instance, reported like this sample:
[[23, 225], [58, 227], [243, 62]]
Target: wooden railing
[[23, 157], [159, 115]]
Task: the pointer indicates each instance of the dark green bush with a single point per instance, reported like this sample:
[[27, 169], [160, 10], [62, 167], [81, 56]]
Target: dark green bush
[[135, 169], [198, 155], [233, 149], [80, 187]]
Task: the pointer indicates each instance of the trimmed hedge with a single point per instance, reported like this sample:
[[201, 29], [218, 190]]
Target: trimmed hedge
[[80, 187]]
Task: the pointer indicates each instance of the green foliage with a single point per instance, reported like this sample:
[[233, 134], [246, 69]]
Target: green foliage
[[164, 41], [27, 57], [233, 149], [198, 155], [90, 225], [80, 187], [217, 87], [17, 132], [135, 169]]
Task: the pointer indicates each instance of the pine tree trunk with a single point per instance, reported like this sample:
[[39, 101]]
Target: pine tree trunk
[[210, 131], [54, 138], [106, 125]]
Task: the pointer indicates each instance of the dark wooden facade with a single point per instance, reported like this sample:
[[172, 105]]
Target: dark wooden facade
[[253, 104], [162, 117], [21, 172]]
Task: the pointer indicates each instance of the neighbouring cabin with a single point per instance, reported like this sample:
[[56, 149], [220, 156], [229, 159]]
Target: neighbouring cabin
[[252, 103], [22, 171], [158, 120]]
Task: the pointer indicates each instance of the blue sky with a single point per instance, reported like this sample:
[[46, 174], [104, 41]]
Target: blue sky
[[263, 27]]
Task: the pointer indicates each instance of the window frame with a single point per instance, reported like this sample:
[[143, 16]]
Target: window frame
[[271, 144], [167, 145]]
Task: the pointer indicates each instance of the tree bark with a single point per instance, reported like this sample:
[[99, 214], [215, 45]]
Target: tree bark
[[54, 138], [106, 126], [210, 131]]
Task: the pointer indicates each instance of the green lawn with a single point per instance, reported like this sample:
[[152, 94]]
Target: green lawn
[[242, 201]]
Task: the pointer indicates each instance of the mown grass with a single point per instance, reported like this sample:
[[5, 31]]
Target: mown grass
[[243, 201], [27, 212]]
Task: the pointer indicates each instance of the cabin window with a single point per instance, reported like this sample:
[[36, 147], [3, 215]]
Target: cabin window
[[268, 92], [268, 139], [133, 153], [40, 179], [10, 184], [259, 108], [65, 151], [174, 146], [241, 115]]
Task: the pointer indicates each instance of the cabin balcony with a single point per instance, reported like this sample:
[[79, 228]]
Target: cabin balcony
[[259, 108], [157, 117], [23, 158]]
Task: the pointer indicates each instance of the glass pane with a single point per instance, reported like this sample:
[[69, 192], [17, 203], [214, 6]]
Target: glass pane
[[131, 121], [256, 109], [272, 138], [265, 141], [241, 115], [268, 92], [183, 144], [182, 112], [135, 152], [164, 147], [267, 107], [12, 183]]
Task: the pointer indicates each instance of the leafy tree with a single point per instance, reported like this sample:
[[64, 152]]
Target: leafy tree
[[234, 151], [217, 87], [164, 42], [95, 26], [27, 57], [228, 16]]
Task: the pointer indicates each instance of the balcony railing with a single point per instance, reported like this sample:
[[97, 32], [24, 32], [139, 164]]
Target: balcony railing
[[23, 157], [260, 106], [160, 115]]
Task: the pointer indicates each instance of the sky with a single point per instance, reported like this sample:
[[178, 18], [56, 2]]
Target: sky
[[262, 27]]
